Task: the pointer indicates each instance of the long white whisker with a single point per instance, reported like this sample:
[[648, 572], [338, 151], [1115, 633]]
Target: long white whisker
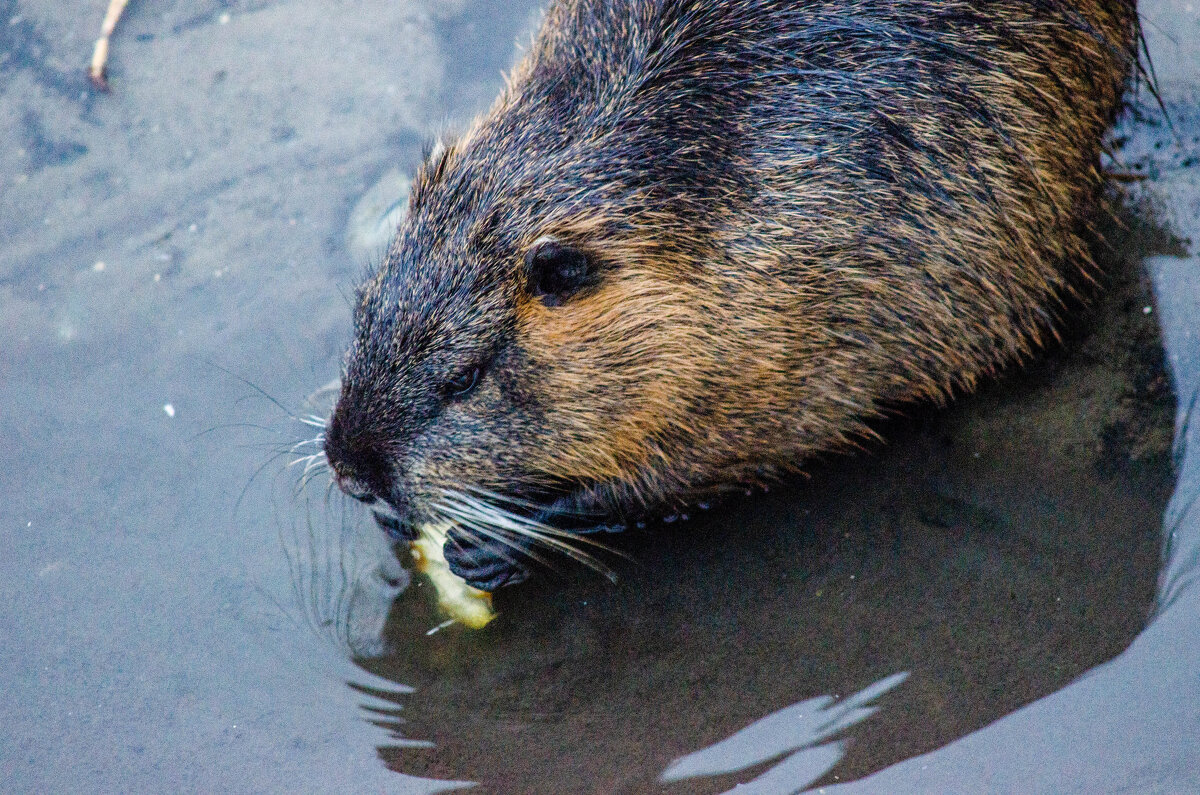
[[307, 461], [497, 499], [469, 510], [316, 441], [508, 536], [533, 526], [495, 535], [310, 474], [473, 525]]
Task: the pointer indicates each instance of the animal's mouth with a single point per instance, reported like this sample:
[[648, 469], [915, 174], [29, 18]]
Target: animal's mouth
[[574, 509], [495, 539], [393, 526]]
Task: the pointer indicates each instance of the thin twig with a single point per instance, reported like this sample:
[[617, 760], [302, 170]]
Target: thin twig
[[98, 71]]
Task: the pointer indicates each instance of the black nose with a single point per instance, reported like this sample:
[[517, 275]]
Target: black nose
[[360, 467]]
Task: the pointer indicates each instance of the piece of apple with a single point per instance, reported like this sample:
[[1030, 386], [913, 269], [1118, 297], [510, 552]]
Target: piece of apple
[[459, 601]]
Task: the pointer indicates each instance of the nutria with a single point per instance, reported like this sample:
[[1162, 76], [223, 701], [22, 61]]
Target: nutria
[[692, 244]]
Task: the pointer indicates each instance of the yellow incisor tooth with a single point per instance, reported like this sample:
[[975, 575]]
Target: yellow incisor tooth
[[459, 601]]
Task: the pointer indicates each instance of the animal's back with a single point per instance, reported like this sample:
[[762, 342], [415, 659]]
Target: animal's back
[[874, 200]]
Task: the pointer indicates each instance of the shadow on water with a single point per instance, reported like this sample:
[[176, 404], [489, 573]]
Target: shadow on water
[[996, 550]]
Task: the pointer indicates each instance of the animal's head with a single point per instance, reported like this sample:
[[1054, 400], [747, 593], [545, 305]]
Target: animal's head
[[553, 336], [526, 357]]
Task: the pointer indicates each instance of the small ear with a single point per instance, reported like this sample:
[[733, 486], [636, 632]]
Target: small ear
[[557, 270]]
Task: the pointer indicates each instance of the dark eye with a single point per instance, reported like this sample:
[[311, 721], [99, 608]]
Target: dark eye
[[462, 384], [556, 271]]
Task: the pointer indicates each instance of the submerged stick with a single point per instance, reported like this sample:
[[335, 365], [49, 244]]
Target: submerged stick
[[98, 71]]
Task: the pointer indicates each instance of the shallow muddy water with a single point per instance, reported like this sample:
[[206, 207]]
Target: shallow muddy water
[[182, 617]]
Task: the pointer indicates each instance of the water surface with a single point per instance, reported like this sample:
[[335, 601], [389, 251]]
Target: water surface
[[180, 618]]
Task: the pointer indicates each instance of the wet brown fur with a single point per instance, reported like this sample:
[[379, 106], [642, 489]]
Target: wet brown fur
[[801, 213]]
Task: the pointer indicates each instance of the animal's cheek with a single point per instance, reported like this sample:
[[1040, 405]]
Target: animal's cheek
[[598, 420], [478, 444], [416, 477], [587, 434]]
